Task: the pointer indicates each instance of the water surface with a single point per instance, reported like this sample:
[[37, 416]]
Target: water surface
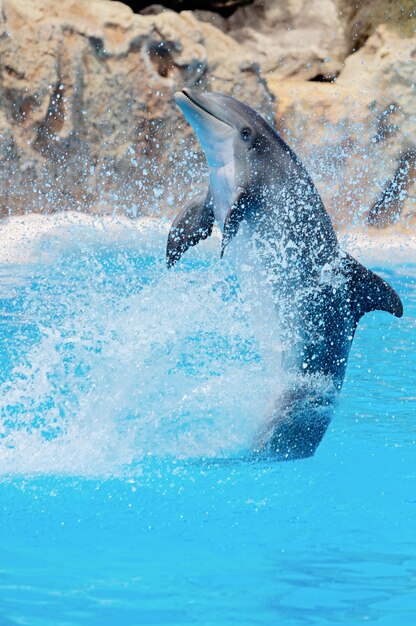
[[129, 398]]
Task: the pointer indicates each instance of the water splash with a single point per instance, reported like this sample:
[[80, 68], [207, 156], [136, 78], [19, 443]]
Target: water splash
[[110, 358], [106, 358]]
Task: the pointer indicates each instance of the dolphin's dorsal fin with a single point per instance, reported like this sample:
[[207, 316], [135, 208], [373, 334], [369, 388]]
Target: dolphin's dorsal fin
[[369, 292], [235, 215], [194, 223]]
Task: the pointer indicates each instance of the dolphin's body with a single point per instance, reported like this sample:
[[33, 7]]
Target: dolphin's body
[[260, 189]]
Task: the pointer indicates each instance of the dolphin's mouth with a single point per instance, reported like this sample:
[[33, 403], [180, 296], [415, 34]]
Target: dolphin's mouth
[[200, 106]]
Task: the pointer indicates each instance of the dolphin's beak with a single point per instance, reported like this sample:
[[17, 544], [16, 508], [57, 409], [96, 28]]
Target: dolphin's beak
[[214, 133], [199, 101]]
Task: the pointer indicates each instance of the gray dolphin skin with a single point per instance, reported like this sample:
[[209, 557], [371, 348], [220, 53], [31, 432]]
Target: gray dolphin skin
[[274, 221]]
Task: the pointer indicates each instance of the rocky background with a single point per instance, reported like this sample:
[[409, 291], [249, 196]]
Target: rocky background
[[88, 120]]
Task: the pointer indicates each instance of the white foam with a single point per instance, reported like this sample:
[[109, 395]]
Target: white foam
[[24, 237], [378, 246], [21, 234], [103, 384]]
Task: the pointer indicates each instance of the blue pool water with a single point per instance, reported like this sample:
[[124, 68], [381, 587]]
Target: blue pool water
[[129, 397]]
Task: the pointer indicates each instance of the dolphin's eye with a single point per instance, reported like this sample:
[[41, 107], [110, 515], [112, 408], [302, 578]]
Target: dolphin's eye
[[245, 133]]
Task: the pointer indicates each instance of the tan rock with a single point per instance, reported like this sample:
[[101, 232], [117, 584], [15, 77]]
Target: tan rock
[[356, 133], [365, 16], [86, 107], [309, 38], [292, 37]]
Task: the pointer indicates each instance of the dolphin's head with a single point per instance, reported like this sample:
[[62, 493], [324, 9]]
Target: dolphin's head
[[226, 128]]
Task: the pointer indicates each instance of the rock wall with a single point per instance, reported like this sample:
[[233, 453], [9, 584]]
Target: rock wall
[[293, 37], [357, 134], [88, 122], [87, 115]]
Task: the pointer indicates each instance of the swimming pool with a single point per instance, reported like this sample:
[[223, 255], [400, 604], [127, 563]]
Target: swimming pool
[[129, 399]]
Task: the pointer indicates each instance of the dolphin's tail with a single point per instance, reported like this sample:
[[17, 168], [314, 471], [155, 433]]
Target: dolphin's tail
[[368, 291]]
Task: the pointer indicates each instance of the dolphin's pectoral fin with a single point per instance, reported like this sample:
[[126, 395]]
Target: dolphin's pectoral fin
[[369, 291], [235, 215], [193, 224]]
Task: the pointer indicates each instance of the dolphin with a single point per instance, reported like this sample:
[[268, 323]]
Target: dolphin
[[271, 214]]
